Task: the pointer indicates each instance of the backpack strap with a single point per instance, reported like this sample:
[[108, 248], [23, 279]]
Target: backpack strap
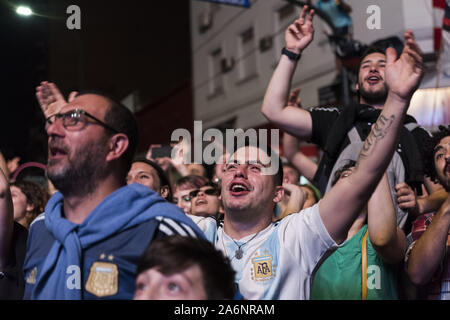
[[411, 126], [353, 135]]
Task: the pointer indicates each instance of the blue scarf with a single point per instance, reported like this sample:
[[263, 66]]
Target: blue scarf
[[123, 209]]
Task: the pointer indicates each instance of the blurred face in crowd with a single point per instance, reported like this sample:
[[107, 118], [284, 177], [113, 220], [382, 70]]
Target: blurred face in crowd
[[77, 155], [245, 184], [144, 174], [442, 162], [290, 175], [186, 285], [371, 79], [21, 206], [182, 199], [205, 201], [196, 169], [310, 200]]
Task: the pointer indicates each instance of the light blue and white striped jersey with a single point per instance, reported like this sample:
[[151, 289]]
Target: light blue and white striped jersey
[[279, 261]]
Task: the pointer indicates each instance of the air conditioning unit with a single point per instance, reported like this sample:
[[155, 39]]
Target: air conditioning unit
[[227, 64], [204, 21]]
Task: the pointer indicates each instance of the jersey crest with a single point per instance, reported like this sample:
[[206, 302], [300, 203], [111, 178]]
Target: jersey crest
[[103, 279], [262, 269]]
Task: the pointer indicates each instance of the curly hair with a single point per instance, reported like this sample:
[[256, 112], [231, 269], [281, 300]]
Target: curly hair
[[428, 151]]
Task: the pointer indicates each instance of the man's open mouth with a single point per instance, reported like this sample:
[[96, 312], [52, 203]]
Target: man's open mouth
[[373, 80], [201, 202], [239, 188], [55, 152]]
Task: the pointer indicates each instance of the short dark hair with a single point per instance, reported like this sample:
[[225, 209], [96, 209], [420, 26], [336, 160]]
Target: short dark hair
[[175, 254], [338, 172], [122, 120], [369, 50], [428, 151], [163, 180]]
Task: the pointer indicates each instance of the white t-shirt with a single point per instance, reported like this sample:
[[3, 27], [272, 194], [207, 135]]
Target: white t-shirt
[[278, 263]]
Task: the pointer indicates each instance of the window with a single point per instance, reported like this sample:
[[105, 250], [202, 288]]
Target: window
[[215, 72], [247, 54], [284, 17]]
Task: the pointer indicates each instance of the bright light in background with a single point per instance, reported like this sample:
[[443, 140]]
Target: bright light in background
[[24, 11], [431, 107]]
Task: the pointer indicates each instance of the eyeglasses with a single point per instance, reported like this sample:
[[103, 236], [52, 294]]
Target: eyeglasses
[[76, 120], [210, 192]]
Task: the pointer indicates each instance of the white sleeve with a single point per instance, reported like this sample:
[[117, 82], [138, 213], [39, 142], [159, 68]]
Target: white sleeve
[[208, 225], [306, 237]]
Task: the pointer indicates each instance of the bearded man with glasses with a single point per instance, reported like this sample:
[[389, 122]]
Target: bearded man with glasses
[[87, 243]]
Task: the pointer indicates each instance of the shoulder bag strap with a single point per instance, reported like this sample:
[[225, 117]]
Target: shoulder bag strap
[[364, 265]]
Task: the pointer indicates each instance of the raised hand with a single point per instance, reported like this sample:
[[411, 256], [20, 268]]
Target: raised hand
[[300, 33], [403, 75], [50, 98], [406, 198]]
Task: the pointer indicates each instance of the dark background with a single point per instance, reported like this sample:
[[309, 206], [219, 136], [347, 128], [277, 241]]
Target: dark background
[[123, 46]]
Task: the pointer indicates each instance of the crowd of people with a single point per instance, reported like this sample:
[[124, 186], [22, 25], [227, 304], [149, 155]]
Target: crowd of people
[[372, 223]]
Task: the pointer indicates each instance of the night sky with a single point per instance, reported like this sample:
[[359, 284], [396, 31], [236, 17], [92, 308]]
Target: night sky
[[125, 46]]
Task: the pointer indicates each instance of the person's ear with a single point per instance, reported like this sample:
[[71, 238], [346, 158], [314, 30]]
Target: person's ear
[[118, 144], [164, 192], [279, 194], [30, 207]]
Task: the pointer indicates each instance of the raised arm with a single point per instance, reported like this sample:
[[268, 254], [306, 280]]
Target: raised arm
[[6, 221], [429, 250], [343, 202], [296, 200], [291, 145], [291, 119], [386, 238]]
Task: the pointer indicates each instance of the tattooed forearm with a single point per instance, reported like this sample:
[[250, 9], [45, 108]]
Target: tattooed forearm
[[378, 132]]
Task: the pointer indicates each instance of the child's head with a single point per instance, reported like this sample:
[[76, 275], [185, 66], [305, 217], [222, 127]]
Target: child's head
[[184, 268]]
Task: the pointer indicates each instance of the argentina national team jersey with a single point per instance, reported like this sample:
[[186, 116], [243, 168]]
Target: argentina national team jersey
[[108, 270], [279, 261]]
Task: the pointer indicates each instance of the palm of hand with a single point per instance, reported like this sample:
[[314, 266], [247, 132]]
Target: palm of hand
[[403, 76]]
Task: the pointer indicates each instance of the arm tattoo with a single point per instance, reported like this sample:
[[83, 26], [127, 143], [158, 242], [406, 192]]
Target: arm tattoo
[[378, 132]]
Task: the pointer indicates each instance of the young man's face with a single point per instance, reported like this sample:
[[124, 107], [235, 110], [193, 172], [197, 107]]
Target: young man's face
[[442, 162], [290, 175], [204, 203], [144, 174], [186, 285], [371, 79], [245, 182]]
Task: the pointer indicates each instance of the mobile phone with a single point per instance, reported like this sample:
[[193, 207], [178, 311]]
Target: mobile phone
[[162, 152]]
